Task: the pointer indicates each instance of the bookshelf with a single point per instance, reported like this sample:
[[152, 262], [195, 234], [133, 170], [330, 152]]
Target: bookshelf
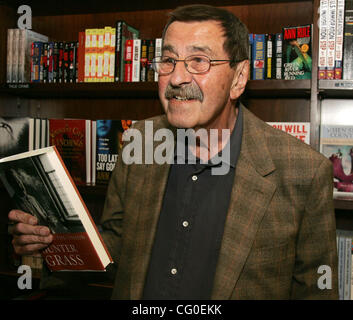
[[271, 100]]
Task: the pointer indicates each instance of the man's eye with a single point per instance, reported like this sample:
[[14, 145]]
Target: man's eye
[[167, 60], [199, 59]]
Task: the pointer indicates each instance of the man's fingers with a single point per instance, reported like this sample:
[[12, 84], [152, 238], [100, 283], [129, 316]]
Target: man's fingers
[[26, 229], [30, 249], [25, 240], [20, 216]]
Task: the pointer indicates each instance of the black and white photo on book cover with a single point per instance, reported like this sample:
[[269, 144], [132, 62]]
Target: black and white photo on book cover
[[33, 186]]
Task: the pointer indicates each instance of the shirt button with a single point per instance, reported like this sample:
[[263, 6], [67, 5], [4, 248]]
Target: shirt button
[[173, 271], [194, 178], [185, 224]]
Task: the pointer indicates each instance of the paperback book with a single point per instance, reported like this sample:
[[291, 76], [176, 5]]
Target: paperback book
[[297, 62]]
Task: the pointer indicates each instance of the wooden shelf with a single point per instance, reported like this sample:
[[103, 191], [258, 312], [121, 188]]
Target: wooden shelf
[[144, 90], [336, 88], [82, 90], [343, 204], [63, 7]]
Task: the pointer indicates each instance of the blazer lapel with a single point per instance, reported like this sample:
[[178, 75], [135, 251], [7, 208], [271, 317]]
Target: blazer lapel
[[155, 181], [251, 195]]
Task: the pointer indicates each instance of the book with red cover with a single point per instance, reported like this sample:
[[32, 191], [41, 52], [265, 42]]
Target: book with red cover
[[39, 183], [72, 138]]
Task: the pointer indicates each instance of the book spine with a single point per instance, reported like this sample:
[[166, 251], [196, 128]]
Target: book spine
[[339, 39], [144, 60], [66, 62], [118, 39], [150, 56], [88, 45], [112, 59], [136, 60], [259, 57], [94, 55], [341, 259], [128, 60], [270, 45], [21, 55], [10, 40], [348, 41], [158, 53], [331, 39], [251, 43], [106, 53], [81, 57], [72, 61], [323, 38], [36, 61], [61, 63], [279, 43], [100, 54], [15, 48], [347, 268], [44, 63], [50, 62]]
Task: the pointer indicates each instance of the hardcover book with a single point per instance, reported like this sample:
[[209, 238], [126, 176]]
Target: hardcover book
[[297, 61], [300, 130], [336, 143], [72, 138], [39, 183], [323, 39]]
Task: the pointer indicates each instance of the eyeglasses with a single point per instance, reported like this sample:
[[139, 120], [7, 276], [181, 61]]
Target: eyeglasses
[[194, 64]]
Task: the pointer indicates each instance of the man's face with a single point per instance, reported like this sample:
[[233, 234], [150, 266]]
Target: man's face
[[183, 39]]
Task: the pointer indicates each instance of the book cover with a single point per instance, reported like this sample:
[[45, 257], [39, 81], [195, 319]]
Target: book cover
[[323, 38], [108, 144], [336, 143], [16, 135], [259, 56], [300, 130], [72, 138], [297, 61], [39, 183], [348, 41]]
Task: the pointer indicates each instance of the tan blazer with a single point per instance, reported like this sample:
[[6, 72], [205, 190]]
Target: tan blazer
[[280, 226]]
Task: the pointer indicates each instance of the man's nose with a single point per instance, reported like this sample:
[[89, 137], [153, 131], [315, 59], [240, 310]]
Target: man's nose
[[180, 75]]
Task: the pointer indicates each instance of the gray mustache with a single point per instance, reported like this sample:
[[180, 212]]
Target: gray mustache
[[191, 91]]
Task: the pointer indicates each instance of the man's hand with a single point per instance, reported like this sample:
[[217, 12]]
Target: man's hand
[[28, 237]]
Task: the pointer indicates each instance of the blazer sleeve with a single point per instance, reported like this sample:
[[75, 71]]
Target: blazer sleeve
[[316, 241]]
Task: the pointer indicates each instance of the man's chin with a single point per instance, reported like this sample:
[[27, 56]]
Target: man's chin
[[180, 121]]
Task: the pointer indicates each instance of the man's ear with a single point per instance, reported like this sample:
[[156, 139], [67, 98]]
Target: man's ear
[[240, 79]]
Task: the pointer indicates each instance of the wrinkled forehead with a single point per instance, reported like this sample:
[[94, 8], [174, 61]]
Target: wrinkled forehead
[[194, 37]]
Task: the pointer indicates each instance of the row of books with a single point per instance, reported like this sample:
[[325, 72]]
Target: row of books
[[89, 148], [285, 55], [335, 59], [99, 55], [345, 266]]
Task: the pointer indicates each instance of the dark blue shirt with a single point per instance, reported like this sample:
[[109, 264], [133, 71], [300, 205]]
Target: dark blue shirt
[[190, 227]]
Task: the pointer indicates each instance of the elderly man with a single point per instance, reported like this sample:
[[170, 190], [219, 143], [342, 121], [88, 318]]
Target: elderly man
[[261, 230]]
